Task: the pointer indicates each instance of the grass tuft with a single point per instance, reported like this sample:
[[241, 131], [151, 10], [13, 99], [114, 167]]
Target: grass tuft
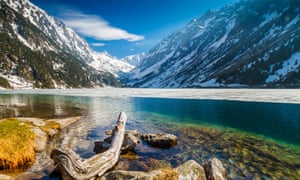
[[49, 126], [16, 144]]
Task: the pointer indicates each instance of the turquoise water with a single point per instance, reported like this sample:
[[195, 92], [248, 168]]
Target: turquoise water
[[252, 139], [275, 120]]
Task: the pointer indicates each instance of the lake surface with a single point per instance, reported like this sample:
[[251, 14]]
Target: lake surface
[[252, 139]]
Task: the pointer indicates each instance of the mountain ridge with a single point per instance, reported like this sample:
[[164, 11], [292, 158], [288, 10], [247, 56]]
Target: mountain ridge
[[245, 44], [40, 51]]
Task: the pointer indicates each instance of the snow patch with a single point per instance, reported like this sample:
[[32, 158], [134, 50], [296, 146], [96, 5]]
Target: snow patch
[[153, 68], [293, 22], [21, 38], [229, 27], [202, 28], [17, 82], [268, 18], [210, 83], [288, 66], [57, 66]]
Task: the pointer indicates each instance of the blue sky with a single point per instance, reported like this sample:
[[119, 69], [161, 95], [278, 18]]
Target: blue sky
[[126, 27]]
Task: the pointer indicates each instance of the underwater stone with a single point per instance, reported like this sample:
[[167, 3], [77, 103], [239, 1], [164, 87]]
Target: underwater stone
[[162, 140], [191, 170], [214, 169]]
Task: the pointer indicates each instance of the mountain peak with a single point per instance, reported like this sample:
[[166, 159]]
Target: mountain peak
[[243, 44], [40, 51]]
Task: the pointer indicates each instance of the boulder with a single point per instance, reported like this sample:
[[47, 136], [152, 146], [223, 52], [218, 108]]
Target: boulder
[[162, 140], [5, 177], [131, 140], [35, 121], [191, 170], [214, 169], [66, 121], [161, 174], [28, 176], [119, 174], [165, 174], [40, 140]]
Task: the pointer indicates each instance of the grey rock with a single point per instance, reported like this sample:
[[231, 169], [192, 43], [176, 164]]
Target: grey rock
[[5, 177], [162, 140], [137, 175], [215, 170], [28, 176], [40, 139], [35, 121], [191, 170], [66, 121]]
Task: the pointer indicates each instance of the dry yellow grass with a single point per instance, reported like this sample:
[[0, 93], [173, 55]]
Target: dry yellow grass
[[50, 125], [16, 144]]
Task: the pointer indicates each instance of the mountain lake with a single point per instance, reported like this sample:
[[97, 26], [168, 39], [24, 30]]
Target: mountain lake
[[252, 139]]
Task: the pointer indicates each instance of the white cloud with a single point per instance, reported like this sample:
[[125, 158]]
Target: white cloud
[[96, 27], [98, 44]]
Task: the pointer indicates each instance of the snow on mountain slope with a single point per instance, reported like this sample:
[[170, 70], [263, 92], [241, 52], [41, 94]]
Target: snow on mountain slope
[[39, 51], [64, 37], [105, 61], [288, 66], [134, 60], [247, 44]]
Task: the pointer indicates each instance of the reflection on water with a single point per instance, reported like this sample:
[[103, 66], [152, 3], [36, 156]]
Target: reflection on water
[[38, 106], [251, 139]]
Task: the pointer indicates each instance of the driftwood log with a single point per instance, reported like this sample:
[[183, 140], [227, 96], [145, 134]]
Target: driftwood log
[[72, 166], [132, 139]]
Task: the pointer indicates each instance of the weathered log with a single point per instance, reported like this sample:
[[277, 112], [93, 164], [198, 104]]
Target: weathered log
[[72, 166], [133, 132]]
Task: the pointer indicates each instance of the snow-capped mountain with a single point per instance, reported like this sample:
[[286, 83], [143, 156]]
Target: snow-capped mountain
[[111, 64], [38, 50], [252, 43], [134, 60]]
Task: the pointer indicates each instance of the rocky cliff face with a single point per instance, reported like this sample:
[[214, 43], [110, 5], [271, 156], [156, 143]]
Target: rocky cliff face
[[39, 51], [247, 44]]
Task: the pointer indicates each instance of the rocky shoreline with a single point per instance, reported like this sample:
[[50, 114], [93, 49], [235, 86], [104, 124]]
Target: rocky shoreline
[[190, 170], [44, 130], [120, 141], [43, 166]]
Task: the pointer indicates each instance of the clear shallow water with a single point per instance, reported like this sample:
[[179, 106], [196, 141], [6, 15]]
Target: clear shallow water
[[252, 139]]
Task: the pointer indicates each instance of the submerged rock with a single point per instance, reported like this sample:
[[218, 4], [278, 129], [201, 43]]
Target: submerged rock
[[131, 139], [5, 177], [162, 140], [28, 176], [126, 175], [191, 170], [215, 170]]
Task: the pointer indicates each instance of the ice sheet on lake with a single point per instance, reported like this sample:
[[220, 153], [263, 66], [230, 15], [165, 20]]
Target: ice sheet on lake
[[256, 95]]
